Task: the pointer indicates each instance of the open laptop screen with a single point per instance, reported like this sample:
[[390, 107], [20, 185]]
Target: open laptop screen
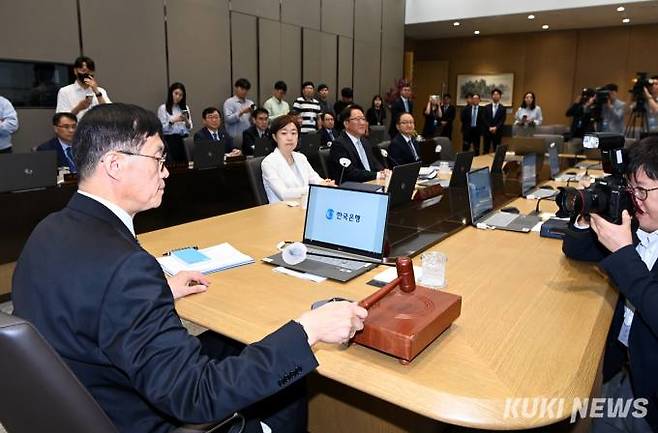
[[480, 199], [528, 173], [346, 220]]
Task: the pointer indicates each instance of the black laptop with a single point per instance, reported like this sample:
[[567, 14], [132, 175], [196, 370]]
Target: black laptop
[[25, 171], [463, 163], [344, 233], [208, 154], [499, 159], [309, 144], [263, 146], [403, 182]]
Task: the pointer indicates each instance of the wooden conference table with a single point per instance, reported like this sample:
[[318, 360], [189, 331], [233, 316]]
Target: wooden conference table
[[533, 324]]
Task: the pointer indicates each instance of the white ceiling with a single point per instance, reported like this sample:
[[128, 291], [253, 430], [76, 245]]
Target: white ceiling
[[640, 12]]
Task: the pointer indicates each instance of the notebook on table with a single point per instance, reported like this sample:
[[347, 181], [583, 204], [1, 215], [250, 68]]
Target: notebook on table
[[208, 260]]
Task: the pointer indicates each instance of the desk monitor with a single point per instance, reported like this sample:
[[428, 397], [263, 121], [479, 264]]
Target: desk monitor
[[346, 220], [523, 145], [24, 171]]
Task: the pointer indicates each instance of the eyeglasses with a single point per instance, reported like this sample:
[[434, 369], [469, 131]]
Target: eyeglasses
[[639, 192], [161, 160], [407, 122], [67, 126], [357, 119]]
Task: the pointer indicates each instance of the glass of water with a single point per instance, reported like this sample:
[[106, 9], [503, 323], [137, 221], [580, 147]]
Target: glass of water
[[434, 269]]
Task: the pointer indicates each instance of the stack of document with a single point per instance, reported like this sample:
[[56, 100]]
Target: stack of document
[[427, 172], [212, 259]]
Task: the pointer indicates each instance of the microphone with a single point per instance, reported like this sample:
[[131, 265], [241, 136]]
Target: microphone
[[345, 162], [385, 155]]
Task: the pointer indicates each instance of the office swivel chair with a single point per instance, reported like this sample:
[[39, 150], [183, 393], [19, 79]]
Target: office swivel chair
[[39, 393], [255, 174], [324, 161]]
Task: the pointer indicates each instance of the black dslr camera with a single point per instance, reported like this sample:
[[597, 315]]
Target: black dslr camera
[[608, 196]]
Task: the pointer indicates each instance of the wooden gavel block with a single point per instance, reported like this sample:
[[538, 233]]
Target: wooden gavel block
[[403, 318]]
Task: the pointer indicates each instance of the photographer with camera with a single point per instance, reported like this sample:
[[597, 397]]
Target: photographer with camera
[[651, 96], [581, 111], [84, 93], [612, 111], [627, 252]]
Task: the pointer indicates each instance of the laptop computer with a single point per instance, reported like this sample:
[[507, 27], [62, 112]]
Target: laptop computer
[[499, 159], [463, 163], [529, 180], [309, 144], [263, 146], [553, 160], [480, 202], [25, 171], [344, 233], [208, 154], [403, 182]]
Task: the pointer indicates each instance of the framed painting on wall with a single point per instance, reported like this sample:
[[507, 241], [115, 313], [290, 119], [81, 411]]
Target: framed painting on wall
[[483, 84]]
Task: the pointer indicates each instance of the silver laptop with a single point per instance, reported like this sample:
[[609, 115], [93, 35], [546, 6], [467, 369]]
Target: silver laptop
[[344, 233], [529, 180], [480, 202], [26, 171]]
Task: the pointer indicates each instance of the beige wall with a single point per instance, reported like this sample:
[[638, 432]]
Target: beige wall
[[207, 44], [555, 65]]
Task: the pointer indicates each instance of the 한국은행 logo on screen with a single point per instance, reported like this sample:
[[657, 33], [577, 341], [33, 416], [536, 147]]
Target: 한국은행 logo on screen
[[329, 214]]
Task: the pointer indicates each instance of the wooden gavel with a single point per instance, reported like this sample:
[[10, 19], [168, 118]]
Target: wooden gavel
[[405, 280]]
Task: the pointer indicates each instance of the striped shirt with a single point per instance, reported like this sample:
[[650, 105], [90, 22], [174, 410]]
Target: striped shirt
[[309, 110]]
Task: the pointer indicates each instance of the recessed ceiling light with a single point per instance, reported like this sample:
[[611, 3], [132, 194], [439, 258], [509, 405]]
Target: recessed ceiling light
[[621, 9], [531, 17], [456, 23], [545, 27], [477, 32], [626, 20]]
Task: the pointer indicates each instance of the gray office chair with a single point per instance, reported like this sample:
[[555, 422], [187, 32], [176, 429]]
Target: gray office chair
[[255, 174], [39, 393], [324, 161]]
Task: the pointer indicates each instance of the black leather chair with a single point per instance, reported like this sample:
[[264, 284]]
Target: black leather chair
[[39, 393], [324, 161], [255, 174]]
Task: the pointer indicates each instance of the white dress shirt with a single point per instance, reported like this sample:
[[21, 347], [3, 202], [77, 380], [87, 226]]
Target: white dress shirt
[[70, 96], [648, 252], [283, 181], [531, 115], [177, 128], [125, 218]]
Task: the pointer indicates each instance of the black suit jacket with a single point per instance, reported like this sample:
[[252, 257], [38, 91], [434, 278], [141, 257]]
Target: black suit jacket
[[639, 285], [249, 137], [397, 108], [62, 160], [467, 114], [399, 151], [449, 113], [344, 148], [326, 138], [490, 120], [204, 135], [106, 308]]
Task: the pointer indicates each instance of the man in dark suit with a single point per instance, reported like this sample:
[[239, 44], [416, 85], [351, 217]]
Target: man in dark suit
[[352, 147], [327, 133], [448, 117], [108, 310], [213, 130], [494, 119], [403, 104], [258, 129], [404, 148], [64, 125], [472, 121], [627, 253]]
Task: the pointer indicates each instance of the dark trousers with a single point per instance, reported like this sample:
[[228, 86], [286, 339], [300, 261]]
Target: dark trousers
[[7, 150], [472, 138], [284, 412], [175, 148], [490, 139], [446, 131]]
